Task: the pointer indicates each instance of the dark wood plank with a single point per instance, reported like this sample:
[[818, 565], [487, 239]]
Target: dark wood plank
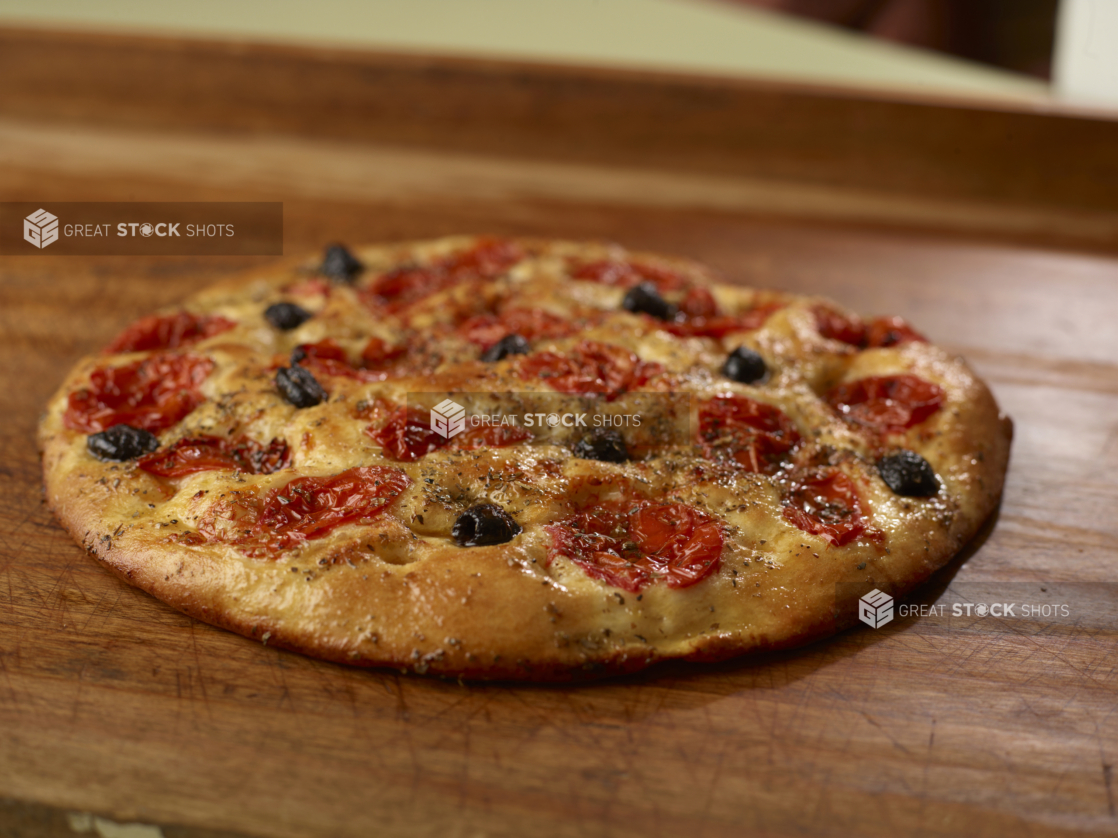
[[114, 703]]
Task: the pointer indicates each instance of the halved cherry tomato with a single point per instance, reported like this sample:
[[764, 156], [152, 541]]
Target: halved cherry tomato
[[379, 355], [590, 367], [168, 331], [631, 544], [838, 326], [406, 435], [305, 509], [153, 393], [326, 357], [752, 434], [379, 360], [310, 287], [891, 331], [626, 274], [826, 503], [698, 302], [404, 286], [312, 506], [207, 453], [881, 332], [718, 325], [889, 404], [529, 323]]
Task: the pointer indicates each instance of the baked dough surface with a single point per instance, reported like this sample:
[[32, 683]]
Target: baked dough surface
[[398, 591]]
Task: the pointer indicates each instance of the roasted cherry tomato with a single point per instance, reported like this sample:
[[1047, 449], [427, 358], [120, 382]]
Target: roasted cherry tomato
[[888, 404], [379, 360], [152, 394], [168, 331], [881, 332], [826, 503], [841, 327], [590, 367], [207, 453], [631, 544], [698, 302], [404, 286], [326, 357], [530, 323], [627, 274], [891, 331], [406, 435], [381, 356], [718, 325], [305, 509], [309, 288], [752, 434]]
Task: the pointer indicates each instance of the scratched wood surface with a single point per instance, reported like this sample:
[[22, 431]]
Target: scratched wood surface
[[114, 704]]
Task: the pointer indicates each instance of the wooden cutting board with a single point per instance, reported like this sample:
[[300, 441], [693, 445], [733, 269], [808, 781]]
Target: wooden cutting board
[[994, 231]]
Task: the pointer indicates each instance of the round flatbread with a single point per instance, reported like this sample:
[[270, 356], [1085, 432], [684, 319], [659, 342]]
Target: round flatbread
[[526, 459]]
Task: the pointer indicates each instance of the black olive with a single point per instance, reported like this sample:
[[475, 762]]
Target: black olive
[[340, 265], [286, 316], [908, 474], [744, 366], [298, 354], [645, 299], [508, 345], [299, 387], [603, 444], [484, 524], [120, 443]]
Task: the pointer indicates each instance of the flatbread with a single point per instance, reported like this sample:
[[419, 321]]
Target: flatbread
[[740, 517]]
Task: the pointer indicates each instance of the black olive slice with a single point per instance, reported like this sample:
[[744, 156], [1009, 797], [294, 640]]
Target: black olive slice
[[908, 474], [286, 316], [484, 524], [645, 299], [120, 443], [340, 265], [604, 445], [299, 387], [508, 345], [745, 366]]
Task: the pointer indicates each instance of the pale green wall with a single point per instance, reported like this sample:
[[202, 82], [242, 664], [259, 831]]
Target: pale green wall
[[692, 35]]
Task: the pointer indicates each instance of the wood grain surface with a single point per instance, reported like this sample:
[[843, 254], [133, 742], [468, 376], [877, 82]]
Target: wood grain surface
[[113, 704]]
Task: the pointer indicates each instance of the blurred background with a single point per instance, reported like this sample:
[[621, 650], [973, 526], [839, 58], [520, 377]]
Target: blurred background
[[1021, 49]]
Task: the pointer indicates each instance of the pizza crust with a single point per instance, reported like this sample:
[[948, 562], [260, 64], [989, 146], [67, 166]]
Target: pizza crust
[[399, 592]]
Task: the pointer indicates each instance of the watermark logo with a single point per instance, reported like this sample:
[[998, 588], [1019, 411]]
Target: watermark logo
[[186, 228], [448, 419], [40, 228], [498, 420], [875, 609]]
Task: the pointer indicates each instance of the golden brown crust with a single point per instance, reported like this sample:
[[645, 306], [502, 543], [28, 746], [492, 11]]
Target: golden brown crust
[[399, 592]]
